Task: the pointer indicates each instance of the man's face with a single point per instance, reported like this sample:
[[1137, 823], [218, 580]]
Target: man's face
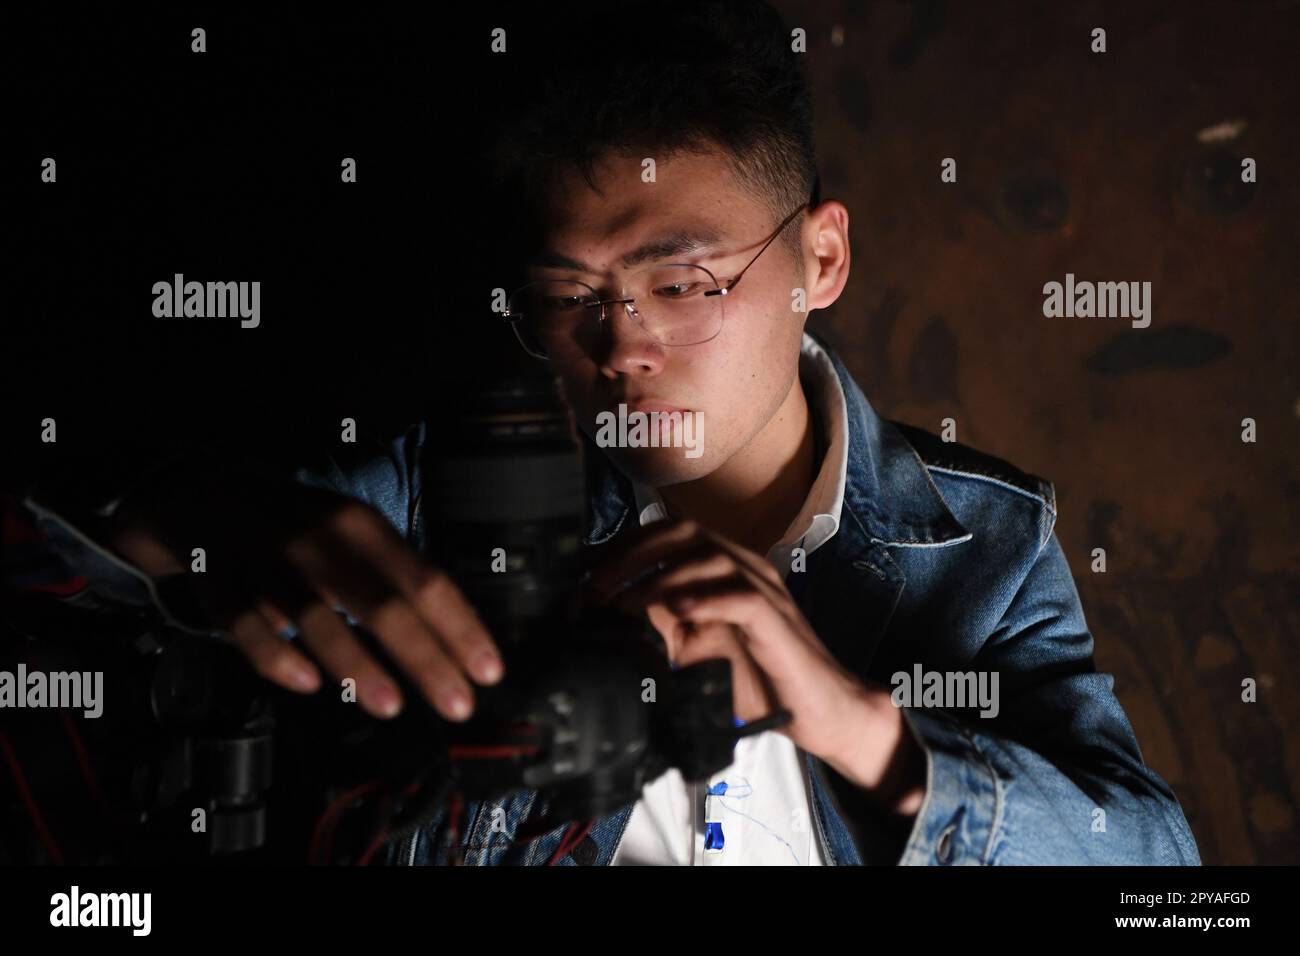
[[737, 380]]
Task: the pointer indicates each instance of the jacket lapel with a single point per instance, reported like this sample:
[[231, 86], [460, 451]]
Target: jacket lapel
[[849, 594]]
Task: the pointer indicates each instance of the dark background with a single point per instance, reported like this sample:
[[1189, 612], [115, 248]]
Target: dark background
[[1070, 161], [225, 167]]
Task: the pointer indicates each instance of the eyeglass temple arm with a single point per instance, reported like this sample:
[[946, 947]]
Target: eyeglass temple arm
[[772, 238]]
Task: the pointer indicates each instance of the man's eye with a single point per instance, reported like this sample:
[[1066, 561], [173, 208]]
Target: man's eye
[[678, 290], [566, 303]]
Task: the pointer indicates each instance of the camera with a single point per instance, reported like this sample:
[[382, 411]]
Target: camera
[[199, 760]]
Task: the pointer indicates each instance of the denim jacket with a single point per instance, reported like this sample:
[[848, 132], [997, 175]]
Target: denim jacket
[[945, 558]]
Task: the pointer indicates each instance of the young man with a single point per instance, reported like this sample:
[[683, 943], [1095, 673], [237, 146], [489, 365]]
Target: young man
[[819, 548], [835, 558]]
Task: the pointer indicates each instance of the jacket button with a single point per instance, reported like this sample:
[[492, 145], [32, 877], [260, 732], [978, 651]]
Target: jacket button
[[586, 852], [943, 850]]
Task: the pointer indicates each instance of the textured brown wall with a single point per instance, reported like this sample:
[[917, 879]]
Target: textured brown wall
[[1072, 161]]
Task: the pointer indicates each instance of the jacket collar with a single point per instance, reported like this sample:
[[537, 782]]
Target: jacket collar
[[888, 487], [889, 498]]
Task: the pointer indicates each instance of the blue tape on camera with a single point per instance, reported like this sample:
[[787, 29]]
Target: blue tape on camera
[[713, 839]]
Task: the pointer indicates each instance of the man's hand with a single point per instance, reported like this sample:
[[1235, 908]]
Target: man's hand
[[284, 554], [709, 598]]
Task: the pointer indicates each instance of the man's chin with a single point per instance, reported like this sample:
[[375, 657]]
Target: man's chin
[[659, 466]]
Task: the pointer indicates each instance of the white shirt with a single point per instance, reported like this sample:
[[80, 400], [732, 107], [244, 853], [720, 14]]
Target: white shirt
[[764, 809]]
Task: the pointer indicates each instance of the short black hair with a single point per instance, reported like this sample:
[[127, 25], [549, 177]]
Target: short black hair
[[654, 77]]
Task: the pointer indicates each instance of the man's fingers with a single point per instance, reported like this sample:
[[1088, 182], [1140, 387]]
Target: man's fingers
[[368, 590], [702, 642], [330, 639], [765, 571], [656, 544], [272, 656], [664, 546], [440, 603], [320, 556], [706, 564], [141, 547], [385, 563], [433, 672], [731, 600], [439, 677], [289, 602]]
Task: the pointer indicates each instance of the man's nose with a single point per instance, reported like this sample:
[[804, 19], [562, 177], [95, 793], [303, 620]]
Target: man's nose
[[628, 348]]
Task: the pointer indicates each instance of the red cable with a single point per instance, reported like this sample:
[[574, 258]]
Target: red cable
[[582, 835], [20, 779], [327, 816], [408, 791], [568, 845], [559, 849], [337, 817], [453, 825], [380, 837]]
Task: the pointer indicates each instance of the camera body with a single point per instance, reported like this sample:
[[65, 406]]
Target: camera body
[[200, 760]]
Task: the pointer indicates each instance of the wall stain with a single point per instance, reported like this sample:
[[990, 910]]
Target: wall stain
[[1175, 346]]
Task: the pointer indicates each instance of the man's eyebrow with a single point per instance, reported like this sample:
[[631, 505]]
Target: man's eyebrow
[[681, 242]]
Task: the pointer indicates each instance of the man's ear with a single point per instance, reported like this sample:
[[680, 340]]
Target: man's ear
[[826, 256]]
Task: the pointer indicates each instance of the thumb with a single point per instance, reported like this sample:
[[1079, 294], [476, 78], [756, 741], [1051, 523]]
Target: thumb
[[146, 551]]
